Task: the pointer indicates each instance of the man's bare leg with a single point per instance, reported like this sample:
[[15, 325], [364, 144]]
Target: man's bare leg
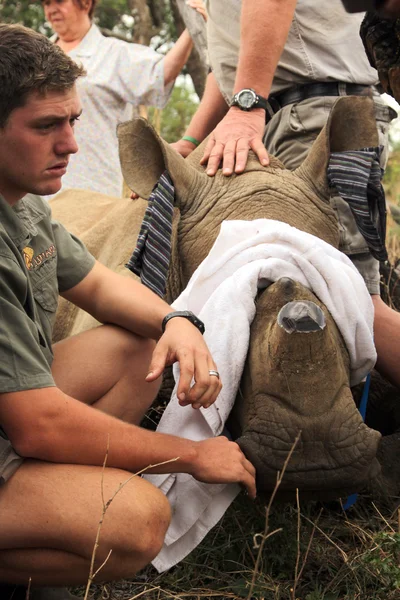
[[49, 513], [387, 340], [106, 367], [49, 516]]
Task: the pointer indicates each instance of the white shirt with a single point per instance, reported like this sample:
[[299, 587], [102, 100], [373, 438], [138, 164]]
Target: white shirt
[[119, 74], [323, 44]]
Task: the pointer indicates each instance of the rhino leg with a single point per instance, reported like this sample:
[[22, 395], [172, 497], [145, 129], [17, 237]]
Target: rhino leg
[[296, 382]]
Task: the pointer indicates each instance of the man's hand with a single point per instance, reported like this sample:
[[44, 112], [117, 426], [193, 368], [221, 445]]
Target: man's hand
[[222, 461], [231, 140], [183, 147], [183, 342]]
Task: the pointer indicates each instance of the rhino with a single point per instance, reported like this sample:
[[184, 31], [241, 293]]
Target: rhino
[[293, 384]]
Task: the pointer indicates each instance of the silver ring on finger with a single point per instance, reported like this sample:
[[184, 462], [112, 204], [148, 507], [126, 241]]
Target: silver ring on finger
[[213, 373]]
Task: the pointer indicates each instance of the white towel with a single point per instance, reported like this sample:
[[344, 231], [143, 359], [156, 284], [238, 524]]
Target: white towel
[[248, 255]]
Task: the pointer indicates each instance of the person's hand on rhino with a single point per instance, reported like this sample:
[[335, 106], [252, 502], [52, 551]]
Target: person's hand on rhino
[[183, 343], [183, 147], [222, 461], [232, 139]]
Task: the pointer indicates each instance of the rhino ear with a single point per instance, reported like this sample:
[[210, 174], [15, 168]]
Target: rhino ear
[[351, 126], [144, 156]]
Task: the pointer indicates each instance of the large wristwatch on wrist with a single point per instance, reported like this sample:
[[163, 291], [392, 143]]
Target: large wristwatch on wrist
[[186, 314], [247, 99]]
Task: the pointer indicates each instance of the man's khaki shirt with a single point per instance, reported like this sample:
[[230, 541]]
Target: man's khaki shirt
[[38, 260], [323, 44]]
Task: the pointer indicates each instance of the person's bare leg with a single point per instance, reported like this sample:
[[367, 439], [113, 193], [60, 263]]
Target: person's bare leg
[[106, 367], [49, 517], [387, 340]]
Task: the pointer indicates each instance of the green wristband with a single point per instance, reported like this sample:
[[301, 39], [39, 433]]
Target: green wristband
[[189, 138]]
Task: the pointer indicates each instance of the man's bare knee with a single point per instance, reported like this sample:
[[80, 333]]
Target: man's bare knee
[[135, 547]]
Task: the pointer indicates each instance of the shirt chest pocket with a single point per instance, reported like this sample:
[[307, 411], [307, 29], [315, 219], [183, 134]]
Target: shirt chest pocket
[[45, 287], [46, 295]]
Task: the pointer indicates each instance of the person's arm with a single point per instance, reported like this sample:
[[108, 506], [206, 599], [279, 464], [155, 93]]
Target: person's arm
[[176, 58], [123, 301], [211, 110], [265, 25], [46, 424]]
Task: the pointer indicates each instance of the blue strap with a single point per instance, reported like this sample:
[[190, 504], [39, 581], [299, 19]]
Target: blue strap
[[364, 397], [352, 499]]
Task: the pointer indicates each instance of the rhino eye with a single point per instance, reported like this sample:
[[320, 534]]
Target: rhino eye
[[301, 316]]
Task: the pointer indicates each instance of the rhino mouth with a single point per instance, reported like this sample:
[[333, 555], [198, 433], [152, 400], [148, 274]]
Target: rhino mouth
[[332, 457]]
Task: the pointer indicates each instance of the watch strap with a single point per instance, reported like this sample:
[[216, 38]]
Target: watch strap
[[186, 314], [261, 102]]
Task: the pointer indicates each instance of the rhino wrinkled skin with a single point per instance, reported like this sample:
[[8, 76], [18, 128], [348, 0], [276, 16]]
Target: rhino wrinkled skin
[[293, 384]]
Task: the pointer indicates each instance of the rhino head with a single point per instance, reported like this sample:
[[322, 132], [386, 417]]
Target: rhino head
[[296, 376]]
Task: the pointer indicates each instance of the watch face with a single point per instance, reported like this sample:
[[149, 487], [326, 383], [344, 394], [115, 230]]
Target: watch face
[[246, 98]]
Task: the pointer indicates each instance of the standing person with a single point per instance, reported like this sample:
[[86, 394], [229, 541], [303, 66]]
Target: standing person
[[119, 75], [62, 405], [291, 59]]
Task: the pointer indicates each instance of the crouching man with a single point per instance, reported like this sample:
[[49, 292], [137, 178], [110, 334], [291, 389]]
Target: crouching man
[[62, 405]]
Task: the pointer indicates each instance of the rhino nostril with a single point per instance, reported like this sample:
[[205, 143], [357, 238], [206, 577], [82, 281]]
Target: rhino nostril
[[301, 317]]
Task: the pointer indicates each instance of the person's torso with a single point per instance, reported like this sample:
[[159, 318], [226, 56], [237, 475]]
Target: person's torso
[[96, 165], [118, 76], [323, 45], [34, 250]]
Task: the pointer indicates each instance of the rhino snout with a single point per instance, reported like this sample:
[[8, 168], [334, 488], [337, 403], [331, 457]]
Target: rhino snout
[[301, 316]]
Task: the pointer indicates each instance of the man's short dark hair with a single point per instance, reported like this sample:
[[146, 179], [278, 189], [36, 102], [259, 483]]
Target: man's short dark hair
[[30, 62]]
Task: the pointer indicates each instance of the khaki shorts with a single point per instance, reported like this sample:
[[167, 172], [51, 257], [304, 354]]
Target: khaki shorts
[[289, 136], [9, 459]]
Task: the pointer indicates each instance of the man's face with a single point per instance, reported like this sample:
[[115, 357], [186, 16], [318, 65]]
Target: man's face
[[36, 142], [64, 16]]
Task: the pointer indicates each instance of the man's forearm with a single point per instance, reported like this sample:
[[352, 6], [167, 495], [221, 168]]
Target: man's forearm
[[265, 25], [46, 424], [177, 57], [123, 301], [61, 429]]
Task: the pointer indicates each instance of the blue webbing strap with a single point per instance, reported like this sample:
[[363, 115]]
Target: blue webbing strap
[[352, 499]]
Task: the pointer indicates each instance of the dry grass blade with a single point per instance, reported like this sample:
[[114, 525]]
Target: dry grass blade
[[267, 513], [296, 569], [342, 552], [398, 520], [28, 589], [382, 517], [143, 592], [92, 572]]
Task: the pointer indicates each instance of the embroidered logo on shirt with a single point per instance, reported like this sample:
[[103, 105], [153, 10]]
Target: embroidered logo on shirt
[[32, 262], [28, 255]]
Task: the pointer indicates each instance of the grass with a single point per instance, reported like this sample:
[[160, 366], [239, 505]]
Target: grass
[[342, 556], [315, 552]]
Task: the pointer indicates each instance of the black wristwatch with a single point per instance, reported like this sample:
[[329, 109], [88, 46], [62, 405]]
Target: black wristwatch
[[247, 99], [186, 314]]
